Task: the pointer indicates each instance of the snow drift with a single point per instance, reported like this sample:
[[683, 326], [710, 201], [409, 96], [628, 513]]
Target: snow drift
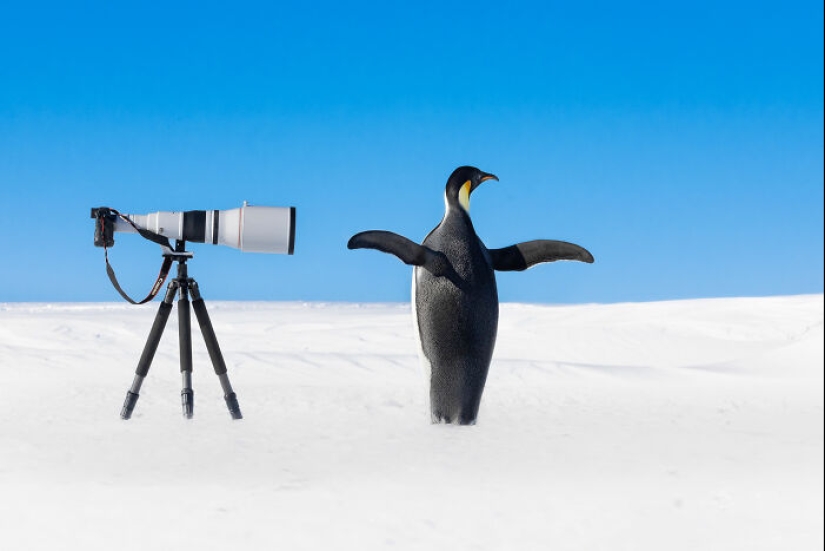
[[671, 425]]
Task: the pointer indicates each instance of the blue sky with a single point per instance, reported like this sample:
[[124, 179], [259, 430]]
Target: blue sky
[[681, 144]]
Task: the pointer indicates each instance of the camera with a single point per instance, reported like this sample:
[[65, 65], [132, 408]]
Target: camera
[[248, 228]]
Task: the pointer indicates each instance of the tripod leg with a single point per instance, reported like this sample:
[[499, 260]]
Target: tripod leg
[[149, 350], [214, 351], [187, 395]]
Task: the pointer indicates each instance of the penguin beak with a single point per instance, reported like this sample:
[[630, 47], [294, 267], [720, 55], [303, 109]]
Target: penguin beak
[[484, 178]]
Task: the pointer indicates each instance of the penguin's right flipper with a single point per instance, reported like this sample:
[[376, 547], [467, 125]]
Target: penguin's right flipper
[[408, 251], [521, 256]]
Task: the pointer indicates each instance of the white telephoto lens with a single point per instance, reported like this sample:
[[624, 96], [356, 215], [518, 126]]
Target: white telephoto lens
[[248, 228], [257, 229]]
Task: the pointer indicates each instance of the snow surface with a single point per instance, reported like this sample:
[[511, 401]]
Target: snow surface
[[672, 425]]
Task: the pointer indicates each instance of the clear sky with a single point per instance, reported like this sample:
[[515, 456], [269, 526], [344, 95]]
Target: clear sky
[[681, 143]]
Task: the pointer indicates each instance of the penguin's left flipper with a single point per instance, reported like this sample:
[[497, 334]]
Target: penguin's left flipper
[[521, 256], [407, 251]]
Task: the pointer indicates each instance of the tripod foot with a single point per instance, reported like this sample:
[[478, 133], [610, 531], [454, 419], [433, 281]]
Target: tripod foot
[[187, 400], [232, 404], [129, 405]]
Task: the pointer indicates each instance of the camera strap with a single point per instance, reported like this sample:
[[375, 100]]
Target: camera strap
[[164, 267]]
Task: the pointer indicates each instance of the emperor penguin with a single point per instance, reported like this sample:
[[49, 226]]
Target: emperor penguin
[[455, 300]]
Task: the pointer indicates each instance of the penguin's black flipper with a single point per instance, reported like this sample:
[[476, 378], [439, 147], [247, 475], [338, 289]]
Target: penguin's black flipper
[[521, 256], [392, 243], [408, 251]]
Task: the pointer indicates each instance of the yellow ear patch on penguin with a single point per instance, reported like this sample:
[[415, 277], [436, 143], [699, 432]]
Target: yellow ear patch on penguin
[[464, 195]]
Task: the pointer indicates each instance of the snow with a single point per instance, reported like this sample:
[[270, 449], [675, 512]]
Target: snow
[[673, 425]]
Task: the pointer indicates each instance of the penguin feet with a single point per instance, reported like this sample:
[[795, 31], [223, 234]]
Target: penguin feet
[[439, 418]]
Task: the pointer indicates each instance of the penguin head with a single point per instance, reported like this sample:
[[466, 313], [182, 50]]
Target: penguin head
[[461, 183]]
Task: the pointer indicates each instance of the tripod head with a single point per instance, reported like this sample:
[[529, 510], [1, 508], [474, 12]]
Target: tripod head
[[179, 253]]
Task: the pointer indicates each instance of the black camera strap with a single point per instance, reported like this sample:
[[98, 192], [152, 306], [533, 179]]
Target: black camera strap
[[151, 236]]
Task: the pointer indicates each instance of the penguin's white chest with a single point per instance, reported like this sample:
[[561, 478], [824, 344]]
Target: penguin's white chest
[[426, 365]]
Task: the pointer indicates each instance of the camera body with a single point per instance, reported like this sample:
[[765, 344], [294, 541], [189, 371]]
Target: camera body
[[248, 228], [105, 228]]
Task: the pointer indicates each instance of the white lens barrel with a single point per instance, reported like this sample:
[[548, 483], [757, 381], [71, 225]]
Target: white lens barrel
[[169, 224], [248, 228], [255, 229]]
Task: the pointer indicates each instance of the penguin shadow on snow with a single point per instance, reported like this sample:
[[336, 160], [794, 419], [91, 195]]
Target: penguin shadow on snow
[[455, 301]]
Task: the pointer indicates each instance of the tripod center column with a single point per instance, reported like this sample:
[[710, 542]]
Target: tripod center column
[[187, 395]]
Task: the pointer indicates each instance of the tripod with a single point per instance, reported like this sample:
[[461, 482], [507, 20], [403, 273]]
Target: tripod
[[185, 285]]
